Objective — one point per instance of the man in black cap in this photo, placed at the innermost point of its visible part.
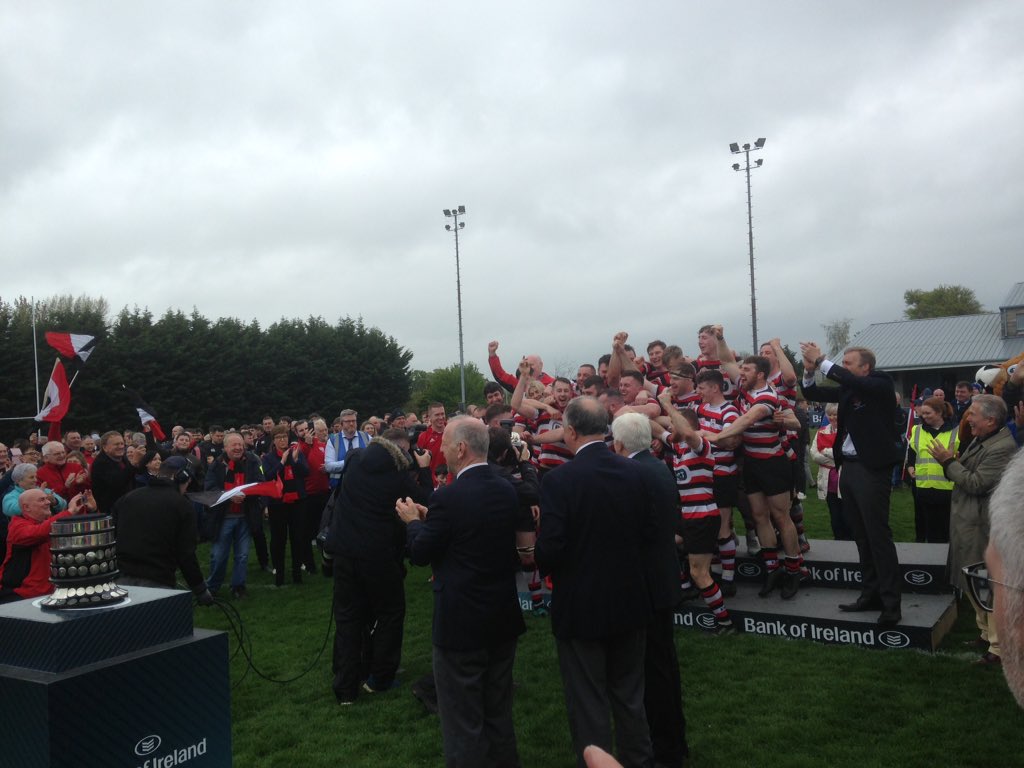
(156, 533)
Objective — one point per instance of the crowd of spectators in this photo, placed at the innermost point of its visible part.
(732, 434)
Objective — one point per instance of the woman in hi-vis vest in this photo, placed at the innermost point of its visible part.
(933, 492)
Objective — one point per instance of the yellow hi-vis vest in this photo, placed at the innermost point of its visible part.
(928, 471)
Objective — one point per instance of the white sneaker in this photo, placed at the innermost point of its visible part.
(753, 545)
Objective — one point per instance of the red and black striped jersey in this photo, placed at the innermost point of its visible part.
(761, 440)
(713, 419)
(551, 454)
(659, 378)
(695, 479)
(787, 399)
(731, 391)
(691, 401)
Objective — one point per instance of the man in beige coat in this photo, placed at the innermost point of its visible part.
(975, 475)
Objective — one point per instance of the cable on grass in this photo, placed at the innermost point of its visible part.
(244, 644)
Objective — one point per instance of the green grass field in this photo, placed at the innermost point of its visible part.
(750, 701)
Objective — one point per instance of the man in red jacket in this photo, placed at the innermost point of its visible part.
(60, 477)
(25, 572)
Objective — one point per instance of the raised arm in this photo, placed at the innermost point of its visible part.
(785, 366)
(680, 427)
(519, 393)
(730, 367)
(619, 361)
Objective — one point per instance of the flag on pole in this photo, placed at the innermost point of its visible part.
(58, 396)
(147, 415)
(72, 344)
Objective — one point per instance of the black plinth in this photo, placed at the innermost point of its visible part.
(55, 641)
(135, 703)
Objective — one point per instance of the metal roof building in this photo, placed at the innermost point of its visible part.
(939, 351)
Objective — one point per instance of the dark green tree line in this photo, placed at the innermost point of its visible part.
(195, 371)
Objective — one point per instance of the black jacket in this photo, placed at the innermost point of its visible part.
(365, 524)
(156, 535)
(662, 563)
(253, 505)
(867, 412)
(469, 540)
(110, 481)
(596, 524)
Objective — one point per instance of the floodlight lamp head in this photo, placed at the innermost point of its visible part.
(447, 212)
(462, 209)
(448, 227)
(759, 143)
(759, 163)
(735, 166)
(746, 147)
(462, 225)
(734, 147)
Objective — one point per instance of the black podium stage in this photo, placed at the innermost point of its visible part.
(124, 685)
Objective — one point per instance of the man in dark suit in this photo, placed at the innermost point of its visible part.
(867, 448)
(663, 700)
(597, 522)
(468, 535)
(367, 542)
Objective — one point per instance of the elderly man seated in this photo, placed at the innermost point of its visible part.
(25, 572)
(26, 477)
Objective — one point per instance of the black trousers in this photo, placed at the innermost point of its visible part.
(934, 506)
(474, 700)
(866, 493)
(315, 504)
(604, 679)
(840, 528)
(663, 699)
(287, 522)
(368, 595)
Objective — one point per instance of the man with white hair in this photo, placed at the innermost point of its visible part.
(468, 537)
(64, 479)
(663, 700)
(975, 474)
(1005, 559)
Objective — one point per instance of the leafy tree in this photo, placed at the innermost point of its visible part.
(944, 301)
(444, 385)
(837, 336)
(196, 372)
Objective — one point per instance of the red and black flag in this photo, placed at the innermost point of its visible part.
(72, 344)
(57, 400)
(147, 415)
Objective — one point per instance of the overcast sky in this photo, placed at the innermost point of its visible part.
(290, 159)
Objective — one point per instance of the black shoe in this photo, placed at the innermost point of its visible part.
(790, 585)
(728, 588)
(725, 629)
(771, 581)
(691, 593)
(239, 593)
(890, 617)
(862, 604)
(426, 696)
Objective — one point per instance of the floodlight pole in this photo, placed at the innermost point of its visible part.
(455, 213)
(746, 150)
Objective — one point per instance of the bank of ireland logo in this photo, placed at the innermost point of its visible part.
(917, 578)
(706, 620)
(749, 570)
(147, 745)
(893, 639)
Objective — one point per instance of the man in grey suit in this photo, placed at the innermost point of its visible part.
(597, 520)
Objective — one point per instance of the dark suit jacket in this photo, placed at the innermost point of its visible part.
(662, 564)
(469, 537)
(596, 523)
(867, 411)
(365, 524)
